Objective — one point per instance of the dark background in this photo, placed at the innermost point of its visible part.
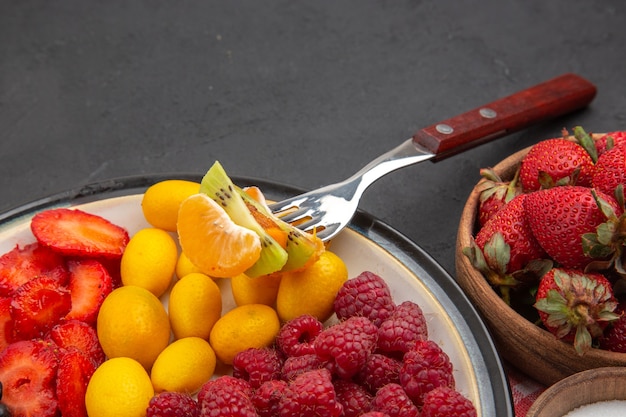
(302, 93)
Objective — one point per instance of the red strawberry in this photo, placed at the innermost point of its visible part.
(610, 170)
(575, 306)
(610, 140)
(505, 247)
(38, 305)
(495, 193)
(75, 232)
(89, 285)
(23, 264)
(74, 334)
(560, 216)
(27, 371)
(614, 338)
(555, 162)
(75, 370)
(6, 323)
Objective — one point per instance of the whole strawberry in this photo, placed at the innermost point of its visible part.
(556, 161)
(575, 306)
(495, 193)
(614, 338)
(560, 216)
(610, 170)
(609, 140)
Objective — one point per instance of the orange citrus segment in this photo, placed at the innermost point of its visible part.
(212, 241)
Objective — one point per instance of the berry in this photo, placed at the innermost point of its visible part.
(447, 402)
(353, 398)
(79, 335)
(494, 193)
(89, 284)
(367, 295)
(347, 345)
(20, 265)
(172, 404)
(378, 371)
(27, 371)
(575, 306)
(310, 394)
(295, 365)
(614, 338)
(6, 323)
(425, 367)
(266, 398)
(257, 366)
(392, 400)
(375, 414)
(75, 370)
(403, 329)
(225, 397)
(38, 305)
(226, 383)
(296, 337)
(78, 233)
(610, 140)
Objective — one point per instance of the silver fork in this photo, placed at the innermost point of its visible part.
(329, 209)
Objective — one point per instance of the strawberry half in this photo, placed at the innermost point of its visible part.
(78, 233)
(575, 306)
(74, 334)
(89, 285)
(6, 323)
(27, 371)
(20, 265)
(75, 371)
(38, 305)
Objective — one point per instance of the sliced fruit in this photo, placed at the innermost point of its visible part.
(27, 371)
(6, 323)
(78, 233)
(90, 283)
(73, 375)
(74, 334)
(38, 305)
(21, 264)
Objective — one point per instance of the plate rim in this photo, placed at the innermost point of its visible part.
(496, 397)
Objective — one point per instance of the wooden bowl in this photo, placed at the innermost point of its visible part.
(583, 388)
(531, 349)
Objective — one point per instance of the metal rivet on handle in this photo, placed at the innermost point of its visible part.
(443, 128)
(487, 113)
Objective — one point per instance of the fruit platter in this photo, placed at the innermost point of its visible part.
(73, 346)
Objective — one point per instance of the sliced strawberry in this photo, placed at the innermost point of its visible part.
(38, 305)
(79, 335)
(6, 323)
(27, 370)
(90, 283)
(23, 264)
(75, 371)
(77, 233)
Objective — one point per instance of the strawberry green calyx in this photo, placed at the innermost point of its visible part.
(576, 306)
(586, 141)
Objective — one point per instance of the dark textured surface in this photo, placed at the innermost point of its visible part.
(302, 93)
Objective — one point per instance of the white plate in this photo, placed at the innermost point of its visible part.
(367, 245)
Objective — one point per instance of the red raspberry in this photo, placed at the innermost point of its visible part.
(266, 398)
(375, 414)
(447, 402)
(398, 333)
(392, 400)
(295, 337)
(425, 367)
(295, 365)
(366, 295)
(172, 404)
(257, 366)
(310, 394)
(226, 396)
(347, 345)
(614, 338)
(378, 371)
(353, 398)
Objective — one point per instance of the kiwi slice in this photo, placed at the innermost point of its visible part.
(218, 186)
(302, 248)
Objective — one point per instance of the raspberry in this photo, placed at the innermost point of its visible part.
(447, 402)
(425, 367)
(399, 332)
(353, 398)
(378, 371)
(266, 398)
(392, 400)
(257, 366)
(295, 365)
(310, 394)
(347, 345)
(295, 337)
(224, 382)
(172, 404)
(367, 295)
(225, 397)
(375, 414)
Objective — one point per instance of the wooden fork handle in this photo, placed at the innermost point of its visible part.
(544, 101)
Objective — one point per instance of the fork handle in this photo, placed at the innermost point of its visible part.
(544, 101)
